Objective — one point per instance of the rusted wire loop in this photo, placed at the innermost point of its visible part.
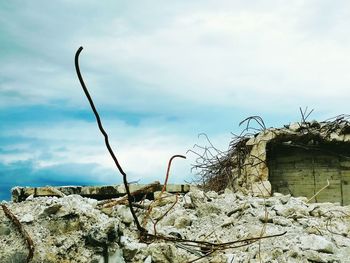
(168, 169)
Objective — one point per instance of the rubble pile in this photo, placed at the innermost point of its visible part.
(77, 229)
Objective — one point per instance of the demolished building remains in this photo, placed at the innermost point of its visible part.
(299, 159)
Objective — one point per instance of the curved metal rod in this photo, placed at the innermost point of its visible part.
(168, 170)
(99, 123)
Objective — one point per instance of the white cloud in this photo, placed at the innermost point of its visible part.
(142, 151)
(261, 58)
(177, 60)
(264, 55)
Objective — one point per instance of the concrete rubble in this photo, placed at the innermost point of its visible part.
(76, 229)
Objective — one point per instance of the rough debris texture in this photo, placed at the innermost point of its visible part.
(244, 166)
(74, 229)
(255, 173)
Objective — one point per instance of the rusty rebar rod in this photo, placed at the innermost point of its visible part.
(99, 123)
(168, 170)
(24, 233)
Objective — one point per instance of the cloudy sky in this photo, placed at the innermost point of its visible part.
(160, 73)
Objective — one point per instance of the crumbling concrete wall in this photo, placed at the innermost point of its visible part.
(323, 153)
(303, 172)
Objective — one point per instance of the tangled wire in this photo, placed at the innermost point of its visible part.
(218, 169)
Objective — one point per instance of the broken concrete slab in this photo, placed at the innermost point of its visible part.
(97, 192)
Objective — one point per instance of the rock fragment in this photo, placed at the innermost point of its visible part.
(317, 243)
